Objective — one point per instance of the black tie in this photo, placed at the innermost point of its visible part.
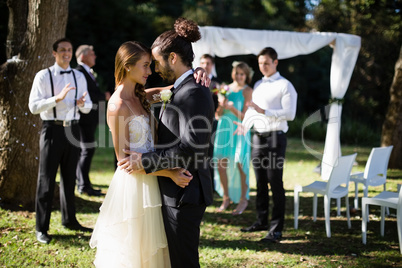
(65, 72)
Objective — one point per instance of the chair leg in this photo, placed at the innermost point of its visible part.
(315, 207)
(382, 220)
(338, 207)
(387, 208)
(365, 190)
(365, 194)
(348, 211)
(296, 206)
(356, 195)
(327, 202)
(399, 226)
(364, 221)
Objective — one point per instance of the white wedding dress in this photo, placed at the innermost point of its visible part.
(129, 231)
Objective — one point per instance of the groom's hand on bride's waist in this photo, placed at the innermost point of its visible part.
(131, 163)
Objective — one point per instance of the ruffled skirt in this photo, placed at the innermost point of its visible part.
(129, 231)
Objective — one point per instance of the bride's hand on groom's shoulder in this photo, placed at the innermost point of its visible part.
(181, 176)
(201, 76)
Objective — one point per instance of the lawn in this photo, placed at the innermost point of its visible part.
(222, 244)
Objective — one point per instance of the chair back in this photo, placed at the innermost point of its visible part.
(377, 164)
(340, 175)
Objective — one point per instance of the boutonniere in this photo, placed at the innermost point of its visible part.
(336, 100)
(165, 96)
(95, 74)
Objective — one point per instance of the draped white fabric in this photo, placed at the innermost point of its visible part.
(224, 42)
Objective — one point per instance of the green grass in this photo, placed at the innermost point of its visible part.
(222, 244)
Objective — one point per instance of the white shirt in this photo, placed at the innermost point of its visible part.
(182, 77)
(277, 96)
(89, 70)
(41, 99)
(86, 67)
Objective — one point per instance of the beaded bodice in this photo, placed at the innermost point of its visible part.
(140, 134)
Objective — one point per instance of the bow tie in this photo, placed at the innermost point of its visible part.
(65, 72)
(267, 79)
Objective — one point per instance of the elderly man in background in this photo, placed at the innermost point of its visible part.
(88, 123)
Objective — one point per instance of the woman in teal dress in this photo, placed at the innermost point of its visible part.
(232, 152)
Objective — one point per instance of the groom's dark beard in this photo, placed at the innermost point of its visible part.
(167, 74)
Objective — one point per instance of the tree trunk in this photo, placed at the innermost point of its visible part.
(33, 27)
(392, 127)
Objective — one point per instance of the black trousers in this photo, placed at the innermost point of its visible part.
(211, 152)
(182, 226)
(268, 156)
(87, 134)
(56, 150)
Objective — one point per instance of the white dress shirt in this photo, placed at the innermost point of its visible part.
(277, 96)
(182, 77)
(41, 99)
(89, 70)
(86, 67)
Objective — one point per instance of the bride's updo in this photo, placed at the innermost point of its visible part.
(179, 41)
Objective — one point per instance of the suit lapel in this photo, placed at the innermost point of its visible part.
(170, 119)
(176, 89)
(88, 77)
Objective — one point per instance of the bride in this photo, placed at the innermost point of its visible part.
(129, 231)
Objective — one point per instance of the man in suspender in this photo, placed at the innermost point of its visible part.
(57, 94)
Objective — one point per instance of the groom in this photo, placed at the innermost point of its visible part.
(184, 133)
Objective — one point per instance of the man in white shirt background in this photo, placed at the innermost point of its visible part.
(274, 102)
(57, 94)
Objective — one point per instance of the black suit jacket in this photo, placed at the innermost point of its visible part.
(96, 96)
(215, 82)
(184, 133)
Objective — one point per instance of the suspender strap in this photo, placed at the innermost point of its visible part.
(51, 84)
(76, 92)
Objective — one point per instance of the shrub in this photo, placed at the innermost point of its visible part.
(353, 132)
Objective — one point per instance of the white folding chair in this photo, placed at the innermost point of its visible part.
(336, 187)
(375, 172)
(384, 199)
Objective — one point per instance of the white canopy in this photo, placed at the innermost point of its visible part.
(224, 42)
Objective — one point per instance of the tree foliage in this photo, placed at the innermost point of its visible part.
(106, 24)
(379, 24)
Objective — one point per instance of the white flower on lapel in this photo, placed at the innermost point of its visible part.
(166, 94)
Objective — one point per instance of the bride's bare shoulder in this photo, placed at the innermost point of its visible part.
(117, 106)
